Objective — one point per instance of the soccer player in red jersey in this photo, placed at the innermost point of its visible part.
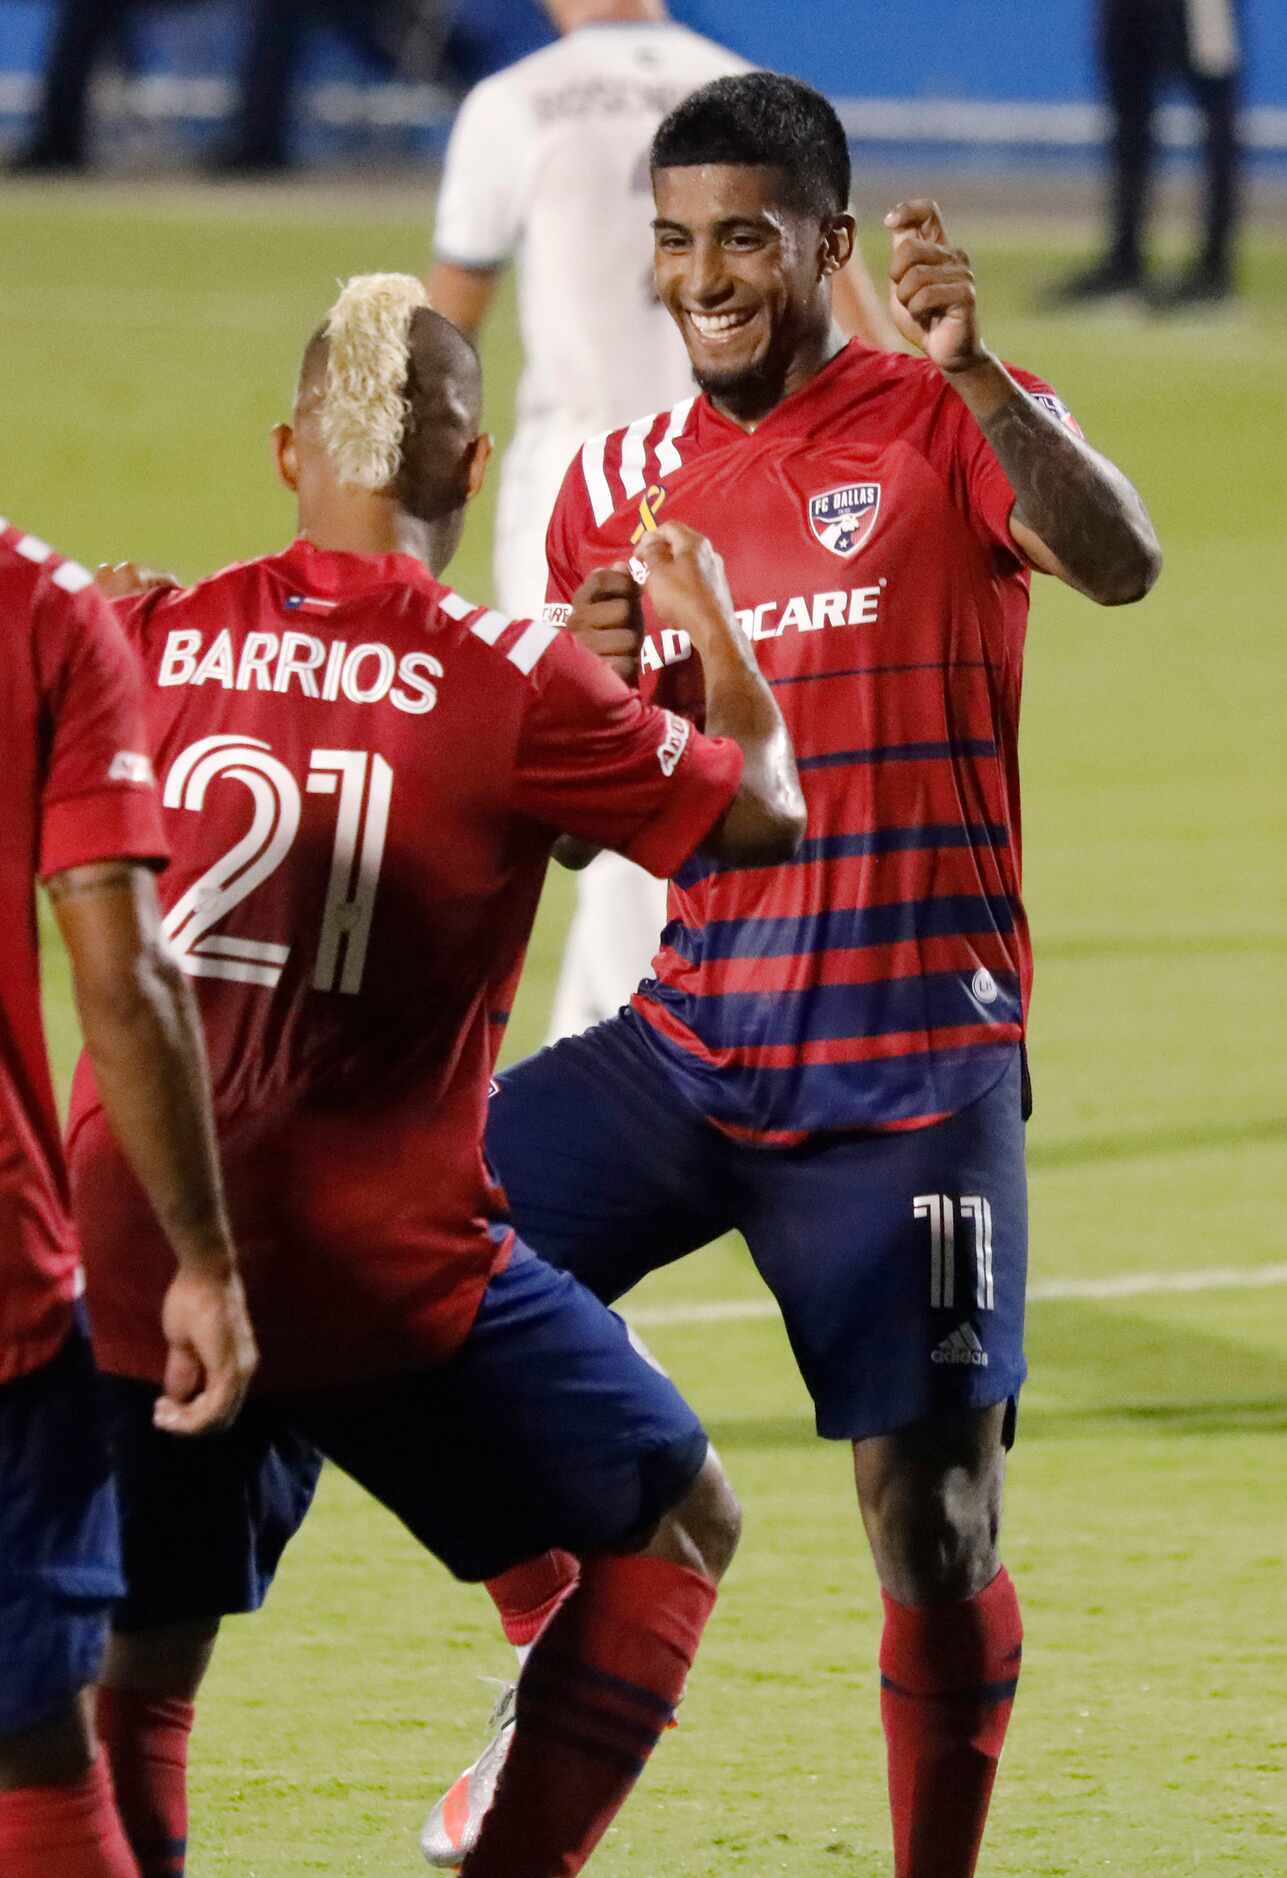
(363, 775)
(829, 1055)
(79, 808)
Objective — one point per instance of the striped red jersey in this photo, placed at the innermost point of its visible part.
(362, 775)
(880, 979)
(77, 789)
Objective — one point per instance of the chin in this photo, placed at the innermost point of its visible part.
(741, 380)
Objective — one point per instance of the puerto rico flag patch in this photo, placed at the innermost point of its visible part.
(842, 519)
(1057, 408)
(309, 603)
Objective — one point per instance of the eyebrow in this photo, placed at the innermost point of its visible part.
(722, 226)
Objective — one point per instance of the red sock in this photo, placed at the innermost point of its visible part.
(64, 1832)
(528, 1595)
(947, 1678)
(146, 1738)
(594, 1696)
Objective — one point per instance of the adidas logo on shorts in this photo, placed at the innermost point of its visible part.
(962, 1346)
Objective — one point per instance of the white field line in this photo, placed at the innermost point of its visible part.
(1047, 1291)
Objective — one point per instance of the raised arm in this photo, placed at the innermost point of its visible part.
(144, 1039)
(1075, 514)
(462, 295)
(689, 591)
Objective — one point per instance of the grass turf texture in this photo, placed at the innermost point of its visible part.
(149, 343)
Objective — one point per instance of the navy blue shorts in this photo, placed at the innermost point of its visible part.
(899, 1260)
(545, 1429)
(60, 1566)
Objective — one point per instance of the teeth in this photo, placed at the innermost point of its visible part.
(710, 325)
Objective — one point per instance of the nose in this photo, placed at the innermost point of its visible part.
(707, 281)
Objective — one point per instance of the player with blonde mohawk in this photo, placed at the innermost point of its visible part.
(363, 775)
(364, 408)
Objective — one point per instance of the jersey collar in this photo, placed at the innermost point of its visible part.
(331, 572)
(794, 412)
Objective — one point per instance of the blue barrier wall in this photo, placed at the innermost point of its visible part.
(1002, 51)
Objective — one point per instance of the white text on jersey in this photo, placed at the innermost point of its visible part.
(317, 668)
(805, 613)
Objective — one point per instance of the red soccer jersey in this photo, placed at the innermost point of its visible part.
(77, 789)
(362, 775)
(878, 980)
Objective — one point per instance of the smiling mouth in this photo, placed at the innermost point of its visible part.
(715, 327)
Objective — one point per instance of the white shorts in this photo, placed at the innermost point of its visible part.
(620, 910)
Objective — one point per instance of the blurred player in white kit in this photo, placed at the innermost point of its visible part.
(548, 165)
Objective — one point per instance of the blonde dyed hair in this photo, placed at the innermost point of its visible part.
(364, 408)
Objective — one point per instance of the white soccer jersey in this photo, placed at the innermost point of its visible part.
(548, 164)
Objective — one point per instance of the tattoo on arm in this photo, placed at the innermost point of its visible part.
(1075, 501)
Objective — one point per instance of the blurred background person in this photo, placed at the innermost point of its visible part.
(87, 32)
(548, 163)
(1143, 44)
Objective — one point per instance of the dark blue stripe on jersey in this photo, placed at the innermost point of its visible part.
(935, 1001)
(865, 671)
(841, 928)
(874, 841)
(899, 753)
(817, 1098)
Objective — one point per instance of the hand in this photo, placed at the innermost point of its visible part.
(126, 579)
(607, 619)
(932, 297)
(212, 1354)
(686, 578)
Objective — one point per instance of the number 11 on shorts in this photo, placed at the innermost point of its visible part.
(941, 1210)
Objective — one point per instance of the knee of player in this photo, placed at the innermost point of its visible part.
(935, 1539)
(703, 1531)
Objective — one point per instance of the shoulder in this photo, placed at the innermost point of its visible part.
(620, 466)
(508, 651)
(211, 600)
(54, 600)
(514, 84)
(31, 569)
(707, 57)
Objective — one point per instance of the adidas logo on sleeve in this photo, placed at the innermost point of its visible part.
(962, 1346)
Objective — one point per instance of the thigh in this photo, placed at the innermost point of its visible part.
(545, 1430)
(607, 1172)
(900, 1264)
(203, 1523)
(59, 1545)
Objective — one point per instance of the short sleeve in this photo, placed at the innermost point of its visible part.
(596, 762)
(99, 799)
(479, 216)
(988, 494)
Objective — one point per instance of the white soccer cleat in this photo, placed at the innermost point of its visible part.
(451, 1830)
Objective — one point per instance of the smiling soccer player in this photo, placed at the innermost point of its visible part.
(830, 1056)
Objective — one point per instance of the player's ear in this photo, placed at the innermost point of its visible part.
(286, 457)
(838, 238)
(479, 456)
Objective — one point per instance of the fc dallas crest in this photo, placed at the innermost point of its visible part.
(842, 519)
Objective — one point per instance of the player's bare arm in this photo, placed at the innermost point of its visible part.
(462, 295)
(144, 1039)
(689, 591)
(1075, 515)
(607, 619)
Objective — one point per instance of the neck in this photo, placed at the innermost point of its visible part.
(751, 401)
(377, 525)
(574, 13)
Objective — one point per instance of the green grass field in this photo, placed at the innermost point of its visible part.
(149, 341)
